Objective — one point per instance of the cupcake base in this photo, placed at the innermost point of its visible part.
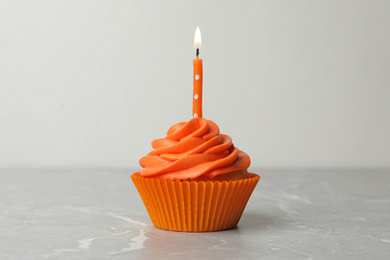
(195, 206)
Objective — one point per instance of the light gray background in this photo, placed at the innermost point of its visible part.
(295, 83)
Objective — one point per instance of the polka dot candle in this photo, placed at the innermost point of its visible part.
(198, 78)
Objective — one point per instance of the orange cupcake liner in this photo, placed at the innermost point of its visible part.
(192, 206)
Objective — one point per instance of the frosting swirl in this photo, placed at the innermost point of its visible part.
(193, 149)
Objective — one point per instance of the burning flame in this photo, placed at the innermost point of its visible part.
(198, 39)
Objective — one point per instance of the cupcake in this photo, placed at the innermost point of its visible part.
(194, 179)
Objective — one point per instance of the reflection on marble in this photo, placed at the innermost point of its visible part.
(292, 214)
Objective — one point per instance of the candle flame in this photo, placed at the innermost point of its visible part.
(198, 38)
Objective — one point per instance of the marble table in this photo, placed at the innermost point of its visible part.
(98, 214)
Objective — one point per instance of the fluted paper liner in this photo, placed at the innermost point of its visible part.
(195, 206)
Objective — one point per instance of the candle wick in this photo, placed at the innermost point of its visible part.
(197, 53)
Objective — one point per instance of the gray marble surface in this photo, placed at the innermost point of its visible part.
(98, 214)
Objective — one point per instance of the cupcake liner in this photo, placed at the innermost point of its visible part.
(195, 206)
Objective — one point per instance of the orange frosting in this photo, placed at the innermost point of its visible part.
(193, 149)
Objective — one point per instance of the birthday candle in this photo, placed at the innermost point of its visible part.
(198, 77)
